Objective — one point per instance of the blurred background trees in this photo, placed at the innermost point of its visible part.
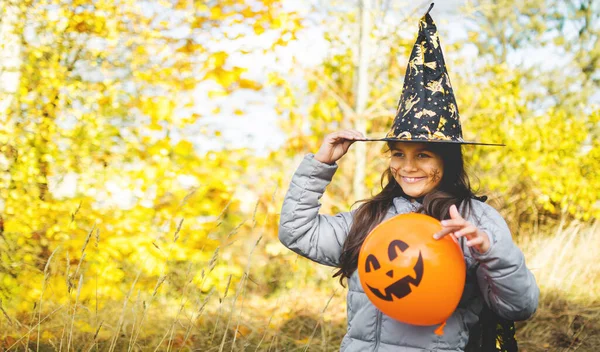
(114, 150)
(526, 75)
(539, 62)
(99, 131)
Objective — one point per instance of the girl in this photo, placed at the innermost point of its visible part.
(426, 174)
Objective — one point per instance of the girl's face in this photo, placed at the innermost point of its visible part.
(416, 169)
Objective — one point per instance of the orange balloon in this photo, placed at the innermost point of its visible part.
(407, 274)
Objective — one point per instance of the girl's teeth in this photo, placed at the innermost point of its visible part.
(412, 179)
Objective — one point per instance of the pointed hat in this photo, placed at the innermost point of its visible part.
(427, 110)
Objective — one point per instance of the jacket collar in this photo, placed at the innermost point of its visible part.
(403, 205)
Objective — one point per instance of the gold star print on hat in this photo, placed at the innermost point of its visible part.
(427, 110)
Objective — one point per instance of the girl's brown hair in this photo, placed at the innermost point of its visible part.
(454, 188)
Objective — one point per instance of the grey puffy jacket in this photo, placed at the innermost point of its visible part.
(499, 277)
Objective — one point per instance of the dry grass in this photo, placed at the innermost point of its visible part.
(567, 269)
(248, 316)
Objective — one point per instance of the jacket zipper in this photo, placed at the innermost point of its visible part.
(377, 329)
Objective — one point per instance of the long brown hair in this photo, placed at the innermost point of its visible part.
(454, 188)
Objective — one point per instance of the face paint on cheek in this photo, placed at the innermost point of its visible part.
(435, 175)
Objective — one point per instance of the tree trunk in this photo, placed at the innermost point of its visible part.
(10, 56)
(362, 95)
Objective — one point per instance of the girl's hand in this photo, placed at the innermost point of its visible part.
(458, 227)
(336, 144)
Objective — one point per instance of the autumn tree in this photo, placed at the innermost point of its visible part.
(546, 111)
(98, 141)
(328, 101)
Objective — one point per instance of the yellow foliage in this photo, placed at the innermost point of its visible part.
(248, 84)
(96, 160)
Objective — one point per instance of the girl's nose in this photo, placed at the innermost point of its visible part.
(409, 165)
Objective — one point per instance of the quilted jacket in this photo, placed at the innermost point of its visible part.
(498, 277)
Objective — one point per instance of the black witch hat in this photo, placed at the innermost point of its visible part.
(427, 110)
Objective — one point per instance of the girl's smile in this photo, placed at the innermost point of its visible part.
(416, 168)
(413, 179)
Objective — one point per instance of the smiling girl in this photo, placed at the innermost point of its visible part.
(425, 174)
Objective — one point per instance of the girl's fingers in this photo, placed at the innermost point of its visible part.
(359, 135)
(354, 134)
(455, 223)
(443, 233)
(477, 241)
(340, 138)
(466, 231)
(457, 230)
(347, 134)
(458, 227)
(454, 214)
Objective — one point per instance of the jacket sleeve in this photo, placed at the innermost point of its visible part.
(507, 285)
(301, 228)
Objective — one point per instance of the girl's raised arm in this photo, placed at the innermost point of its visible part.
(301, 228)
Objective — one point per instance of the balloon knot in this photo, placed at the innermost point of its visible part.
(440, 329)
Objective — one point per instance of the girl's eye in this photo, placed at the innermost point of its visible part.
(398, 154)
(423, 155)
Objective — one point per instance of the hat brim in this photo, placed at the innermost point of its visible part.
(438, 141)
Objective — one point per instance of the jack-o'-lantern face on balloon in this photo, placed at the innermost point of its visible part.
(400, 287)
(407, 274)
